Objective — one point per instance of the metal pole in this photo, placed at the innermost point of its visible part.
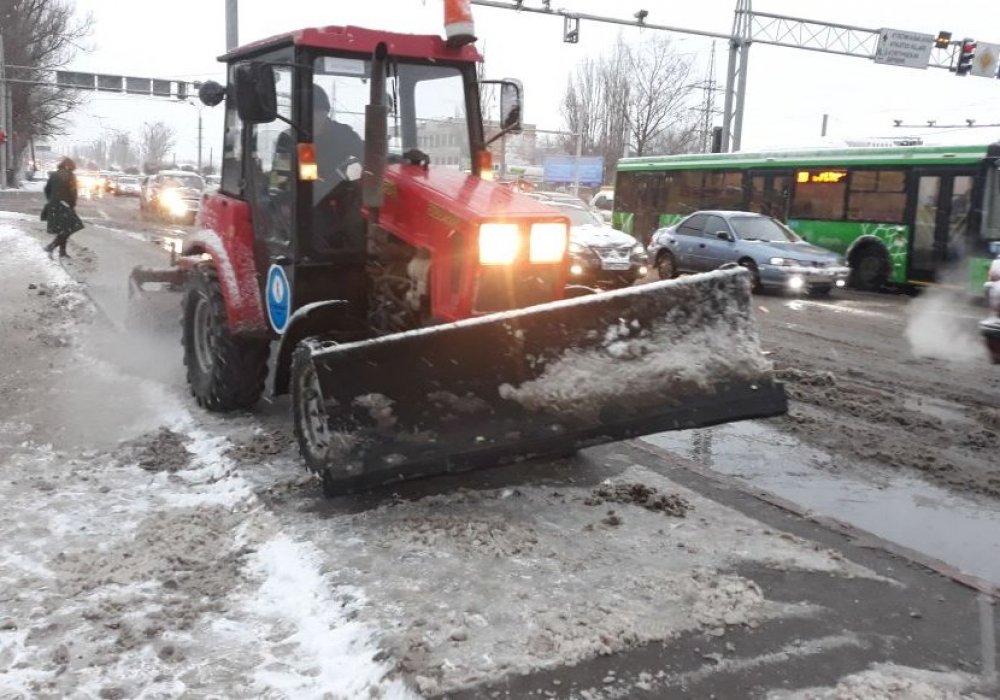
(232, 28)
(727, 108)
(3, 118)
(576, 164)
(199, 141)
(741, 96)
(826, 118)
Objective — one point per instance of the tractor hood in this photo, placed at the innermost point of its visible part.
(454, 198)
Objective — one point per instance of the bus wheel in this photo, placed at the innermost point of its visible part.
(869, 268)
(666, 266)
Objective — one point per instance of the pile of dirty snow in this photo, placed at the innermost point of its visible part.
(891, 682)
(685, 352)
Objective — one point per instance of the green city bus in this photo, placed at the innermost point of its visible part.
(903, 215)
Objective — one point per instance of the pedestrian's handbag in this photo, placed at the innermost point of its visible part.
(44, 216)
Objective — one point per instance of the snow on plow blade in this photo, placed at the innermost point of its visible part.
(545, 380)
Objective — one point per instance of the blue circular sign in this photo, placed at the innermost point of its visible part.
(279, 298)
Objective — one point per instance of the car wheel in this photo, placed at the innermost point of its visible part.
(754, 274)
(666, 265)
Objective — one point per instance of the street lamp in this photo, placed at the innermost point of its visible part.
(199, 107)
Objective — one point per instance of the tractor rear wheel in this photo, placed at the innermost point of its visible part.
(225, 373)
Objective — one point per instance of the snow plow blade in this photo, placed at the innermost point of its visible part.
(544, 380)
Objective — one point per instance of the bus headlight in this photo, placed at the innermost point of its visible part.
(498, 244)
(548, 243)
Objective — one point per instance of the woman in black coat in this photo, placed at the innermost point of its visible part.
(60, 207)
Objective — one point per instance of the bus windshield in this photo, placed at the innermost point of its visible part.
(755, 228)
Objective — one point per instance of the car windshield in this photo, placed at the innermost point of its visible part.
(192, 181)
(758, 228)
(578, 216)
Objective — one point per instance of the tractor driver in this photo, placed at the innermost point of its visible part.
(337, 221)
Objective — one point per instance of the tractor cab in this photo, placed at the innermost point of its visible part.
(321, 126)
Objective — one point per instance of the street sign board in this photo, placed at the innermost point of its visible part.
(898, 47)
(986, 62)
(562, 169)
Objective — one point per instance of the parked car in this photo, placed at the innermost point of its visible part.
(990, 328)
(172, 195)
(600, 256)
(775, 255)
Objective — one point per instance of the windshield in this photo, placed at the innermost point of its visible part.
(577, 215)
(754, 228)
(426, 105)
(190, 181)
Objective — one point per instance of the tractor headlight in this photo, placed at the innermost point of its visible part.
(499, 244)
(548, 243)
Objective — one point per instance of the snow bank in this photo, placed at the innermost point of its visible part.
(314, 645)
(891, 682)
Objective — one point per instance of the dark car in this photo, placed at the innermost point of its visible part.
(600, 256)
(990, 328)
(775, 255)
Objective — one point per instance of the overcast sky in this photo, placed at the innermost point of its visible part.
(788, 90)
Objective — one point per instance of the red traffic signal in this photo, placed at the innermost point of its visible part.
(965, 55)
(3, 136)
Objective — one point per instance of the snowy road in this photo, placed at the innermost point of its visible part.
(148, 549)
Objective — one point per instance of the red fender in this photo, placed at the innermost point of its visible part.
(225, 233)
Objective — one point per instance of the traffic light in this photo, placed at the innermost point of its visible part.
(943, 40)
(571, 29)
(965, 56)
(3, 136)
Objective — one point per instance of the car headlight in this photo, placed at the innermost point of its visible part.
(639, 249)
(498, 244)
(782, 261)
(547, 242)
(576, 248)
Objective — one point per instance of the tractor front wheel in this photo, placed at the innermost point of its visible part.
(225, 373)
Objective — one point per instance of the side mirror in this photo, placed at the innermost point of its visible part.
(511, 99)
(211, 93)
(725, 236)
(256, 93)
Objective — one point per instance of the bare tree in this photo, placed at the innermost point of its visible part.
(660, 90)
(630, 101)
(39, 36)
(121, 150)
(157, 140)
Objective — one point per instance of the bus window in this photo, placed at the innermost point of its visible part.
(681, 192)
(877, 195)
(625, 192)
(819, 195)
(722, 190)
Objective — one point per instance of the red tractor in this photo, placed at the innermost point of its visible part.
(414, 303)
